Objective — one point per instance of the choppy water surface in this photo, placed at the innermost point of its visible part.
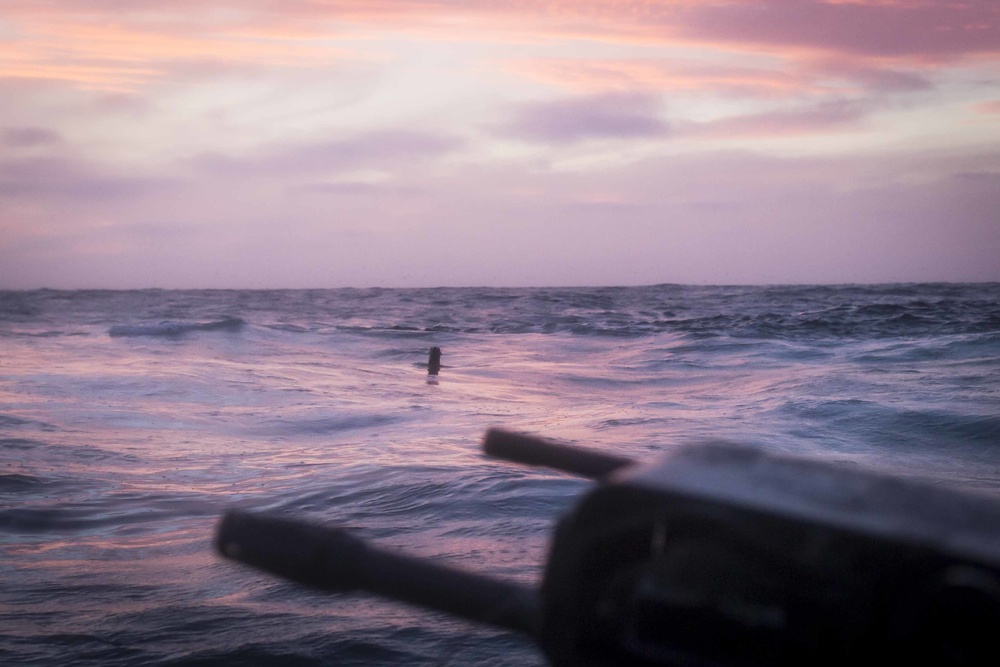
(130, 420)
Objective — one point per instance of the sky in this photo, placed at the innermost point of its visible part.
(399, 143)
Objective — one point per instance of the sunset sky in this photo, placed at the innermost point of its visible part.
(327, 143)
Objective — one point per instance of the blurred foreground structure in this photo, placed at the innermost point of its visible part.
(716, 555)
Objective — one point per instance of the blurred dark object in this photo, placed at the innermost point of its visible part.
(434, 361)
(717, 555)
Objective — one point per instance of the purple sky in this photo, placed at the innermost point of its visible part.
(326, 143)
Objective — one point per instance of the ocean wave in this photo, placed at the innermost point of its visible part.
(8, 421)
(172, 328)
(19, 482)
(44, 334)
(119, 512)
(774, 313)
(895, 426)
(328, 424)
(19, 443)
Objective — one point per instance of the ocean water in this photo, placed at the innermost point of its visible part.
(131, 420)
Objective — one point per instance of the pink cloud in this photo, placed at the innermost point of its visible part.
(359, 189)
(867, 75)
(819, 118)
(103, 46)
(665, 74)
(70, 179)
(385, 148)
(638, 116)
(28, 137)
(810, 77)
(609, 116)
(925, 30)
(265, 31)
(990, 108)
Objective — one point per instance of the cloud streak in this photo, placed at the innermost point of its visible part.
(56, 178)
(821, 118)
(28, 137)
(73, 40)
(610, 116)
(929, 31)
(379, 150)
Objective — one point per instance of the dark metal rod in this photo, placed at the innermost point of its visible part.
(331, 559)
(531, 450)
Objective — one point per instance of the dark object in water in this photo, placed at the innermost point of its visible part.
(717, 555)
(434, 361)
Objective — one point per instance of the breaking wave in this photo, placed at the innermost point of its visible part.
(175, 328)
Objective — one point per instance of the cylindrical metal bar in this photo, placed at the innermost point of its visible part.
(331, 559)
(530, 450)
